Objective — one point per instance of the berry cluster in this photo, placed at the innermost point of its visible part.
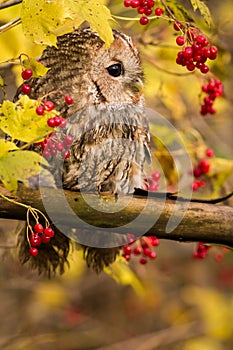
(213, 89)
(195, 50)
(201, 251)
(144, 8)
(202, 168)
(152, 182)
(38, 236)
(56, 143)
(142, 248)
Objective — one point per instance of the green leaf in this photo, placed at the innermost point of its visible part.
(40, 18)
(20, 121)
(179, 11)
(204, 10)
(19, 166)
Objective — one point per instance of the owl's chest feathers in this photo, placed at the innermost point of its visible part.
(110, 148)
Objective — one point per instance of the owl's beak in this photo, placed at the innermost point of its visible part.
(138, 87)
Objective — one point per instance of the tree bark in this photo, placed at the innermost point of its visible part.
(189, 222)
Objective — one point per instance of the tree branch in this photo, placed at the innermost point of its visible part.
(201, 222)
(10, 3)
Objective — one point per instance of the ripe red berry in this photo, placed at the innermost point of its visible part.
(46, 154)
(180, 40)
(127, 250)
(26, 74)
(33, 251)
(65, 154)
(26, 89)
(158, 11)
(57, 120)
(195, 186)
(148, 11)
(40, 110)
(137, 251)
(34, 240)
(48, 231)
(152, 255)
(177, 26)
(51, 122)
(144, 20)
(69, 100)
(209, 152)
(143, 261)
(62, 123)
(205, 166)
(127, 3)
(45, 239)
(48, 105)
(59, 146)
(68, 140)
(38, 228)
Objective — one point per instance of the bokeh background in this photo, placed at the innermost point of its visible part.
(172, 303)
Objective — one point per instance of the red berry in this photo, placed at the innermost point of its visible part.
(59, 146)
(180, 40)
(148, 11)
(137, 251)
(46, 154)
(48, 231)
(158, 11)
(62, 123)
(127, 257)
(127, 250)
(45, 239)
(26, 89)
(26, 74)
(141, 10)
(68, 140)
(38, 228)
(204, 69)
(51, 122)
(152, 255)
(48, 105)
(69, 100)
(209, 152)
(40, 110)
(177, 26)
(143, 261)
(144, 20)
(127, 3)
(195, 186)
(135, 3)
(197, 171)
(205, 166)
(65, 154)
(33, 251)
(156, 175)
(146, 251)
(34, 240)
(57, 120)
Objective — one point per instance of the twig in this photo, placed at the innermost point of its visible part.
(10, 25)
(10, 3)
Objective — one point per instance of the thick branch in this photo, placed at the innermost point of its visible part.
(201, 222)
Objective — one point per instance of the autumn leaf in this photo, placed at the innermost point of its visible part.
(20, 120)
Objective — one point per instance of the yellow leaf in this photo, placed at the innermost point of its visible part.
(37, 68)
(121, 272)
(40, 18)
(20, 121)
(6, 146)
(19, 166)
(94, 12)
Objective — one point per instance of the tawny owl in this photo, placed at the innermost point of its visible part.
(107, 118)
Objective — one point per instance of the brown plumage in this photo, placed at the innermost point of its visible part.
(107, 119)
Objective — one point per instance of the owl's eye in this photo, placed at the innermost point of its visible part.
(115, 70)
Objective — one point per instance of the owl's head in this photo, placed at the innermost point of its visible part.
(82, 66)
